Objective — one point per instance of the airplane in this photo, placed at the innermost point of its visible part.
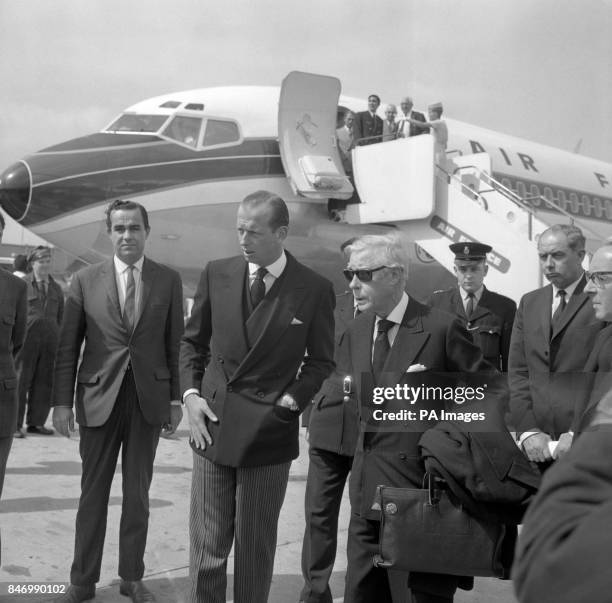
(190, 157)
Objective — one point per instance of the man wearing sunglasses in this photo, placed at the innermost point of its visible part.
(598, 367)
(394, 338)
(553, 334)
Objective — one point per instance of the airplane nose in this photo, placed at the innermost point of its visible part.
(16, 190)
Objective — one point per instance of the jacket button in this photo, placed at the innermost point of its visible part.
(402, 456)
(260, 394)
(220, 359)
(230, 389)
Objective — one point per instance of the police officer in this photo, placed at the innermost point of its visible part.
(487, 316)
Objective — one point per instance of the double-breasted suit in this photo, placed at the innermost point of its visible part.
(243, 360)
(37, 357)
(545, 363)
(367, 126)
(13, 312)
(333, 429)
(490, 325)
(122, 388)
(438, 343)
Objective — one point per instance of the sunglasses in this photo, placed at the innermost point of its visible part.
(599, 279)
(364, 275)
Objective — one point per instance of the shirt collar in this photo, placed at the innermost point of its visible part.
(275, 268)
(397, 314)
(569, 290)
(121, 266)
(477, 293)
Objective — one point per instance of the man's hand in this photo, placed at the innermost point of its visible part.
(197, 411)
(536, 447)
(176, 415)
(63, 420)
(565, 441)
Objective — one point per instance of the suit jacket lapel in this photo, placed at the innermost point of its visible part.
(577, 300)
(110, 284)
(482, 308)
(545, 302)
(146, 283)
(409, 341)
(279, 307)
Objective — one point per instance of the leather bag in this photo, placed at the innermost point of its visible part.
(429, 530)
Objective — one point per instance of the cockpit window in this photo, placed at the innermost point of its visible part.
(130, 122)
(184, 129)
(220, 132)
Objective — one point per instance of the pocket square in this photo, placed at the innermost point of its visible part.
(296, 321)
(416, 368)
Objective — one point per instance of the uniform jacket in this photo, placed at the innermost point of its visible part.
(597, 379)
(254, 360)
(490, 324)
(334, 422)
(427, 337)
(93, 315)
(414, 129)
(365, 126)
(563, 554)
(13, 313)
(49, 309)
(543, 367)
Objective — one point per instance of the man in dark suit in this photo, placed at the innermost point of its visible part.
(257, 347)
(396, 338)
(553, 334)
(37, 358)
(405, 127)
(564, 548)
(488, 316)
(128, 311)
(368, 127)
(333, 429)
(13, 309)
(598, 368)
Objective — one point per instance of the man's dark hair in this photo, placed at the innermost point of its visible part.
(21, 263)
(118, 204)
(374, 96)
(279, 214)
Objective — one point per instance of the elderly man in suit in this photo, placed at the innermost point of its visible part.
(333, 429)
(37, 358)
(488, 316)
(128, 313)
(256, 349)
(13, 306)
(368, 127)
(395, 337)
(553, 334)
(389, 123)
(405, 127)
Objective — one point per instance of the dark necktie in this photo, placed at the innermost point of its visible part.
(42, 290)
(469, 307)
(559, 311)
(258, 287)
(381, 347)
(129, 307)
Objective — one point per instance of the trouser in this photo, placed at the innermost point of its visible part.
(36, 363)
(125, 429)
(5, 449)
(234, 505)
(327, 474)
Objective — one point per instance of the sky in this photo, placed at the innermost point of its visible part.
(537, 69)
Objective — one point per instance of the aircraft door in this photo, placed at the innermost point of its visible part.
(307, 136)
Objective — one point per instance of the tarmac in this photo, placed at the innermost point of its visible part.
(38, 509)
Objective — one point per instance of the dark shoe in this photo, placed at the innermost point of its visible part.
(76, 594)
(136, 590)
(40, 430)
(19, 434)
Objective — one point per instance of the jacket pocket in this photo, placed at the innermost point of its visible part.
(9, 383)
(88, 378)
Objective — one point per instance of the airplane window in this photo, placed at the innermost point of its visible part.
(184, 129)
(220, 132)
(195, 107)
(131, 122)
(170, 105)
